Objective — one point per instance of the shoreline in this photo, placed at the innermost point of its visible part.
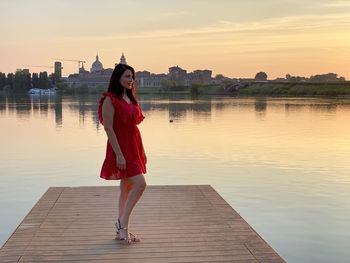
(230, 89)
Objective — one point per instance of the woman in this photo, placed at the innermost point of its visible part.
(119, 113)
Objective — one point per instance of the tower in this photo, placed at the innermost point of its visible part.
(122, 59)
(58, 69)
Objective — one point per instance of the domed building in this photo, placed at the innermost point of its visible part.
(97, 76)
(96, 66)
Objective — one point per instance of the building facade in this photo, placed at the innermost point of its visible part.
(178, 76)
(58, 69)
(97, 76)
(200, 77)
(146, 79)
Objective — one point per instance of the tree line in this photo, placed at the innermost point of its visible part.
(23, 80)
(329, 77)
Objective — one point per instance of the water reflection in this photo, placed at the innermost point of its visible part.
(281, 162)
(330, 107)
(58, 112)
(260, 108)
(178, 108)
(260, 105)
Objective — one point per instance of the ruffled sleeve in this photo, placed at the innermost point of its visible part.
(102, 99)
(138, 115)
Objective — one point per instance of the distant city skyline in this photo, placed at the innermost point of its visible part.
(234, 38)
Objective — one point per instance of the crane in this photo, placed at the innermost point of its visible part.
(73, 60)
(39, 66)
(36, 66)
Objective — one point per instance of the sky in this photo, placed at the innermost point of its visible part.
(236, 38)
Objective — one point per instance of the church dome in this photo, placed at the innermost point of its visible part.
(97, 65)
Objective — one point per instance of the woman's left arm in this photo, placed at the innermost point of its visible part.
(144, 154)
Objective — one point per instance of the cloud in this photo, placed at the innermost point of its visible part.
(287, 24)
(167, 15)
(334, 3)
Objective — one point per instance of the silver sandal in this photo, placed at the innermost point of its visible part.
(119, 227)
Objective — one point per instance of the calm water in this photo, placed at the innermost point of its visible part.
(283, 164)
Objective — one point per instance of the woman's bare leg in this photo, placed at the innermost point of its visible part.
(124, 191)
(138, 185)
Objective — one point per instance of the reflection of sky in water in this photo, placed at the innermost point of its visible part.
(281, 163)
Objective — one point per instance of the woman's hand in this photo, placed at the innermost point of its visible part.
(145, 157)
(121, 163)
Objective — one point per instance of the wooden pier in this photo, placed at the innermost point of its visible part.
(186, 223)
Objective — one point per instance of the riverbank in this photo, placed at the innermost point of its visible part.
(267, 88)
(272, 89)
(281, 89)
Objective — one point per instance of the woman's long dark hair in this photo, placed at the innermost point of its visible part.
(115, 86)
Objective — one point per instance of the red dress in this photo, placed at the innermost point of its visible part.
(126, 117)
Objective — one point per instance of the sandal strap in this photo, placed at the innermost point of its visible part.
(128, 238)
(125, 238)
(134, 238)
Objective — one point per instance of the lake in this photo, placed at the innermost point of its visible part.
(282, 163)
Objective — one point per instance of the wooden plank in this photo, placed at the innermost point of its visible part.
(178, 223)
(29, 227)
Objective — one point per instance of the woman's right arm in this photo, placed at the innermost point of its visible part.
(108, 115)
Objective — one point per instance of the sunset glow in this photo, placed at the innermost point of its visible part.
(234, 38)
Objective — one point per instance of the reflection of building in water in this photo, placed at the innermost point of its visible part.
(58, 111)
(38, 107)
(97, 76)
(324, 107)
(179, 109)
(33, 106)
(292, 107)
(196, 110)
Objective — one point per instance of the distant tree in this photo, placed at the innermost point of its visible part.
(28, 80)
(21, 80)
(166, 83)
(9, 80)
(2, 80)
(261, 76)
(295, 78)
(279, 79)
(43, 80)
(220, 77)
(35, 80)
(326, 77)
(54, 79)
(195, 89)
